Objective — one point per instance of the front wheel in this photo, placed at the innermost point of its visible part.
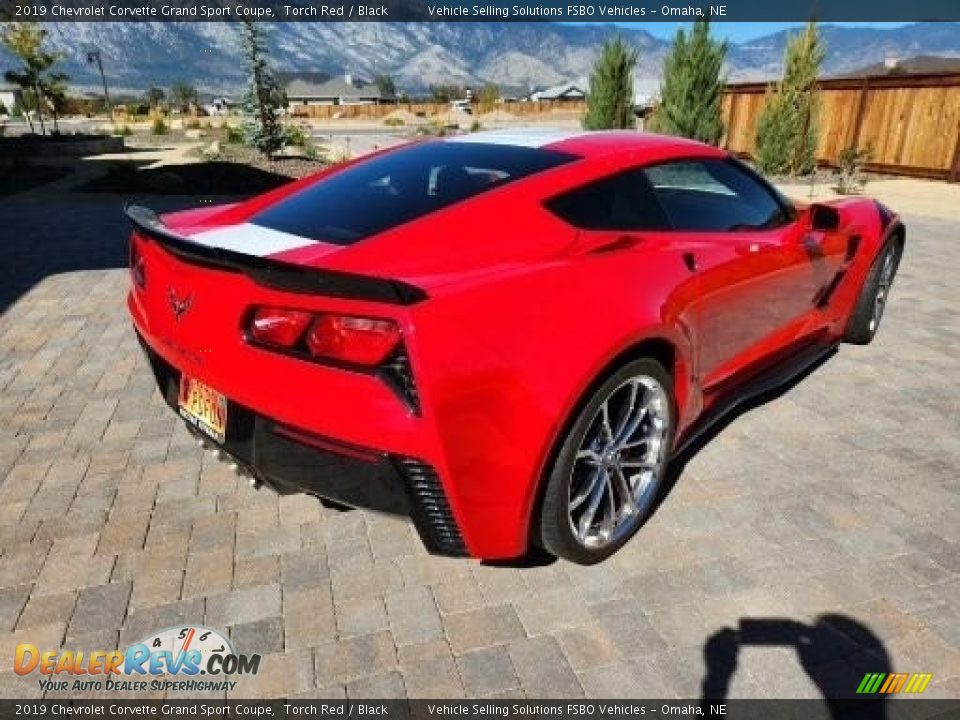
(868, 312)
(610, 467)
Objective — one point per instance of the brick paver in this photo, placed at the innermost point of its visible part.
(834, 507)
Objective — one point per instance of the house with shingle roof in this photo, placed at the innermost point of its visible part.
(560, 93)
(10, 97)
(317, 88)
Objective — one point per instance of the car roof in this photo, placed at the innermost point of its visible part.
(587, 143)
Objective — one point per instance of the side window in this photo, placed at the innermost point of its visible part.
(713, 195)
(619, 202)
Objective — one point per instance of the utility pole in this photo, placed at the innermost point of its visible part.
(93, 56)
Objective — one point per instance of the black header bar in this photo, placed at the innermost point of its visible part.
(874, 708)
(599, 11)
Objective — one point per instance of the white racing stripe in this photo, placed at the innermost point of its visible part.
(251, 239)
(527, 137)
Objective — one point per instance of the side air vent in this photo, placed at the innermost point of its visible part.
(430, 509)
(397, 374)
(885, 215)
(853, 244)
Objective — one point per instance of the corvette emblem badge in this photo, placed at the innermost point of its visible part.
(179, 305)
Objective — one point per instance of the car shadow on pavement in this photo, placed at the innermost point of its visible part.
(836, 652)
(60, 230)
(536, 557)
(45, 236)
(679, 462)
(226, 178)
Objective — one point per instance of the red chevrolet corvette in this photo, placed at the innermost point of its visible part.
(507, 336)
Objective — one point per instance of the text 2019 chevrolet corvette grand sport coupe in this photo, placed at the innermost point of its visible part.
(506, 335)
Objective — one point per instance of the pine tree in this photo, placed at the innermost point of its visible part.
(261, 126)
(610, 100)
(787, 130)
(387, 87)
(692, 85)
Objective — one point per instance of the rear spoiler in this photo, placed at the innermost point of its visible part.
(275, 274)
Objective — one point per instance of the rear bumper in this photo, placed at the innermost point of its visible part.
(292, 459)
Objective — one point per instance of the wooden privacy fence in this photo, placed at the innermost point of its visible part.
(432, 109)
(911, 122)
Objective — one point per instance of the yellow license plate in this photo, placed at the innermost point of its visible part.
(203, 407)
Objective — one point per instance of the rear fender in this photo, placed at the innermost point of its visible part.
(505, 374)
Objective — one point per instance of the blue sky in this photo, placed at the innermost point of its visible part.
(735, 31)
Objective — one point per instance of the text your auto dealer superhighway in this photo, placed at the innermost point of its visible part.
(137, 12)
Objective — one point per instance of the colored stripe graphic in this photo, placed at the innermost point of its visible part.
(894, 683)
(918, 682)
(870, 682)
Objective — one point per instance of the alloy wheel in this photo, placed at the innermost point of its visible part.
(887, 271)
(619, 464)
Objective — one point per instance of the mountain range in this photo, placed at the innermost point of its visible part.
(419, 54)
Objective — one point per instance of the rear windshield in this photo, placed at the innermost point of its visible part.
(399, 186)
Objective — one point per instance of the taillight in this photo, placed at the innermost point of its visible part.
(369, 345)
(278, 327)
(138, 269)
(362, 341)
(323, 336)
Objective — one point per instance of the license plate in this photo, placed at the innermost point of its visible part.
(203, 407)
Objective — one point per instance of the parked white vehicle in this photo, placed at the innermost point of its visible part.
(219, 106)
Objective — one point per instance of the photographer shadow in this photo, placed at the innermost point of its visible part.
(831, 652)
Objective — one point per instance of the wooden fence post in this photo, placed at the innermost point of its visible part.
(954, 175)
(732, 120)
(853, 139)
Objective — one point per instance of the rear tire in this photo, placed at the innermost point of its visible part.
(610, 466)
(868, 312)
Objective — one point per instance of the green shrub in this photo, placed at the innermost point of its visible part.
(850, 177)
(394, 122)
(159, 126)
(310, 150)
(191, 123)
(475, 126)
(294, 135)
(233, 134)
(122, 130)
(211, 151)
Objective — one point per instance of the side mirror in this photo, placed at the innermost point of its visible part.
(824, 217)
